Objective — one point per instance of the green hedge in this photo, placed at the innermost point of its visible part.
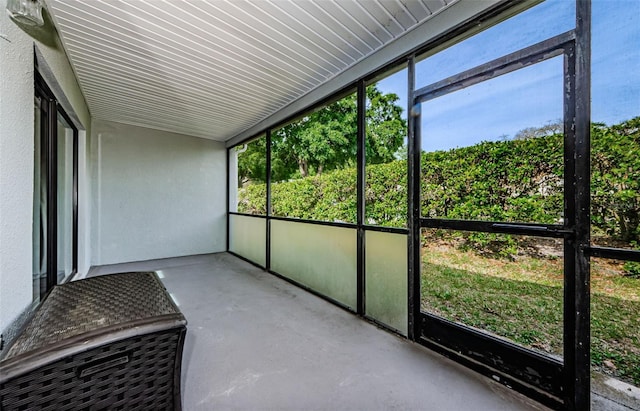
(511, 181)
(332, 196)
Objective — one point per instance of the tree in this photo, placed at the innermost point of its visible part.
(326, 139)
(551, 128)
(386, 129)
(252, 161)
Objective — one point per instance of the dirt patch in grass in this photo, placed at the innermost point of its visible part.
(607, 276)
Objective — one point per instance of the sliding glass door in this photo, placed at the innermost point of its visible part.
(55, 193)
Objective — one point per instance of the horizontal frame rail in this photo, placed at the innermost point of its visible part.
(537, 53)
(613, 253)
(532, 229)
(377, 228)
(247, 215)
(542, 372)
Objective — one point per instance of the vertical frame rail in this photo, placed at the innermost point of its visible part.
(570, 243)
(74, 194)
(267, 257)
(413, 200)
(360, 195)
(227, 161)
(577, 355)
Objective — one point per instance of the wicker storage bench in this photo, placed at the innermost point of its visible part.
(110, 342)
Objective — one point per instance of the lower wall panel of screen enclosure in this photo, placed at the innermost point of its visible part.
(324, 259)
(386, 279)
(248, 237)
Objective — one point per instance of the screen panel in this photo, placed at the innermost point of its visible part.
(313, 164)
(248, 177)
(615, 326)
(539, 23)
(386, 150)
(503, 285)
(615, 128)
(494, 151)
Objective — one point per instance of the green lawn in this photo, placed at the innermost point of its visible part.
(522, 301)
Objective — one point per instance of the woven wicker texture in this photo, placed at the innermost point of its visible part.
(82, 306)
(132, 374)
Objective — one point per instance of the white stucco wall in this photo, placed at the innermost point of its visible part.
(17, 151)
(157, 194)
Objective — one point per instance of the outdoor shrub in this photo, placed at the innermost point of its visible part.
(518, 180)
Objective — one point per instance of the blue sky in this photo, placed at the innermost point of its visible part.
(531, 96)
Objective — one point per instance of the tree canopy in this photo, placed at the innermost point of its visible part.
(326, 139)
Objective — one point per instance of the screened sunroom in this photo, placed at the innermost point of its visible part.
(385, 204)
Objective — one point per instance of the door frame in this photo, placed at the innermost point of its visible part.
(557, 383)
(49, 111)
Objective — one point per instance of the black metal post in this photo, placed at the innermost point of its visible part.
(570, 246)
(413, 204)
(360, 192)
(577, 215)
(228, 194)
(581, 362)
(268, 211)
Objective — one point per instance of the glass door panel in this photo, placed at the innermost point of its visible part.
(65, 206)
(40, 211)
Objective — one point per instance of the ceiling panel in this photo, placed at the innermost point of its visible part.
(213, 68)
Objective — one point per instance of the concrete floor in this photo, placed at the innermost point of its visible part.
(256, 342)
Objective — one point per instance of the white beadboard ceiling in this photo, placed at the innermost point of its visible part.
(213, 68)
